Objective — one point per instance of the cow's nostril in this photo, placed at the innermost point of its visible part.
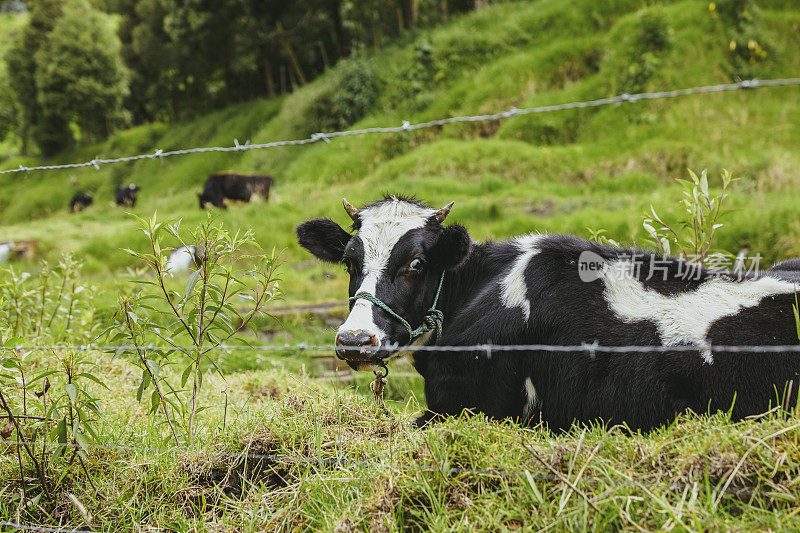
(356, 344)
(356, 338)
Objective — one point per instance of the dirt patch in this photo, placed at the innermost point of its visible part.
(717, 466)
(514, 525)
(547, 208)
(542, 208)
(346, 525)
(560, 457)
(457, 499)
(382, 507)
(230, 472)
(262, 392)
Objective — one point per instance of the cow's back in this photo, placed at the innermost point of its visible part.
(536, 294)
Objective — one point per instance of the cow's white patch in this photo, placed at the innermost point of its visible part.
(381, 227)
(684, 318)
(360, 317)
(514, 289)
(532, 401)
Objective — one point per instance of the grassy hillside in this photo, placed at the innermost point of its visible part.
(552, 172)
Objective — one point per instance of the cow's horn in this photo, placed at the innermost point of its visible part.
(442, 213)
(352, 211)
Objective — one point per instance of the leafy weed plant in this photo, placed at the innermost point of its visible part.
(190, 326)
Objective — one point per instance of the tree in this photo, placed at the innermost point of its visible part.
(22, 65)
(8, 107)
(80, 77)
(150, 55)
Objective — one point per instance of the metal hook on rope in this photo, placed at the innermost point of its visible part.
(379, 384)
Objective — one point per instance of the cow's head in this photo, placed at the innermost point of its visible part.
(398, 254)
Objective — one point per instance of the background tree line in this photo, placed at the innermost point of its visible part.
(81, 68)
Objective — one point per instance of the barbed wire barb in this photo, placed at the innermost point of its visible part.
(407, 126)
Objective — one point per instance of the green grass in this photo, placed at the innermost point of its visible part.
(552, 172)
(466, 473)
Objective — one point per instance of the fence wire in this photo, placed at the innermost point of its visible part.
(408, 126)
(44, 529)
(488, 348)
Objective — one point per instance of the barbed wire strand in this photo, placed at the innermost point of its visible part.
(586, 347)
(407, 126)
(44, 529)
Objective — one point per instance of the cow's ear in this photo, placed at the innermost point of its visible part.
(452, 248)
(324, 238)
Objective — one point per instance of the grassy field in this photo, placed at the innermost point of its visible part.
(297, 454)
(345, 465)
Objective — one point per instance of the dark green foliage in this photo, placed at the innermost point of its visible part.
(67, 75)
(8, 108)
(652, 37)
(422, 72)
(348, 99)
(52, 132)
(356, 91)
(80, 78)
(21, 64)
(190, 56)
(154, 85)
(751, 50)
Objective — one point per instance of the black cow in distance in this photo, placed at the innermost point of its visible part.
(223, 188)
(80, 201)
(125, 196)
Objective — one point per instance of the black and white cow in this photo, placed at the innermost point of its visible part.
(125, 196)
(225, 187)
(556, 290)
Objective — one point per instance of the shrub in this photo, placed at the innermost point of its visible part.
(750, 48)
(351, 96)
(423, 70)
(652, 37)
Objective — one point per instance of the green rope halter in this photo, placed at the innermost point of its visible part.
(432, 321)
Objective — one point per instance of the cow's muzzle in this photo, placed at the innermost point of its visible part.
(357, 347)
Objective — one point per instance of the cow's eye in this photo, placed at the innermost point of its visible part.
(416, 265)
